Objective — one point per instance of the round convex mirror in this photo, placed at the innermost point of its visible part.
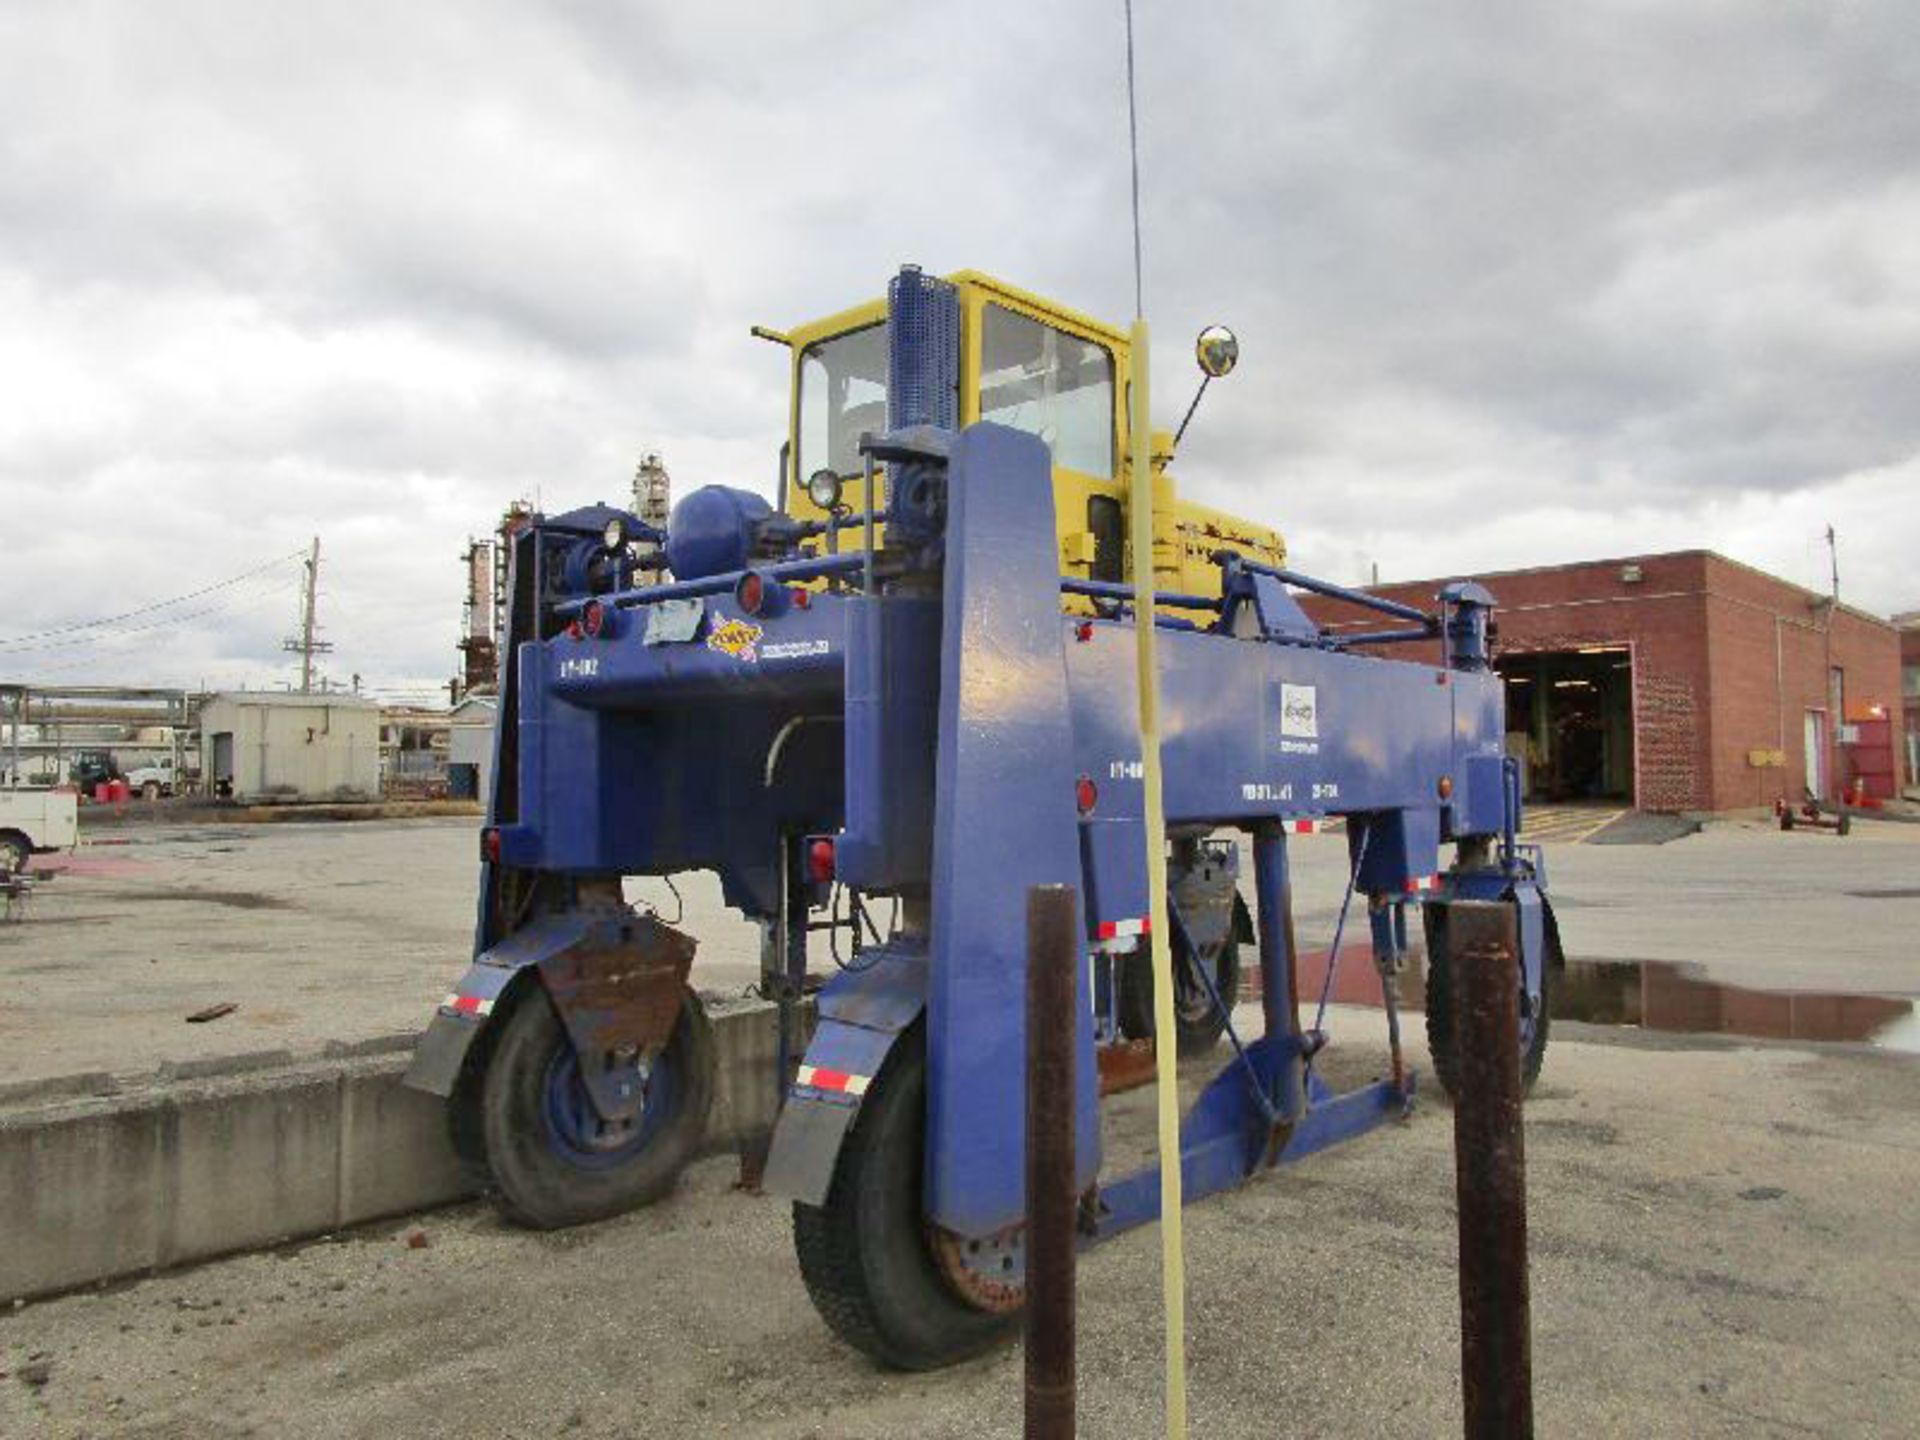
(1217, 350)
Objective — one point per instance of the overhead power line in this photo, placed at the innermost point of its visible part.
(80, 639)
(66, 631)
(106, 650)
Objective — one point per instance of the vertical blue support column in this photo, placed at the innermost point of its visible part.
(1388, 919)
(1004, 820)
(1273, 892)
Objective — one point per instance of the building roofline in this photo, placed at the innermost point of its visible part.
(306, 698)
(1488, 576)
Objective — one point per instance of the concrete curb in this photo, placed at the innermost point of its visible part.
(96, 1187)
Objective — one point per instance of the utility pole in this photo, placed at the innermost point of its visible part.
(305, 646)
(306, 619)
(1833, 563)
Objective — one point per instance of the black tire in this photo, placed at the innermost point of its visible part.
(15, 851)
(1440, 1003)
(866, 1256)
(1197, 1020)
(535, 1179)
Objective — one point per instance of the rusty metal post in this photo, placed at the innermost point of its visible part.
(1490, 1169)
(1053, 961)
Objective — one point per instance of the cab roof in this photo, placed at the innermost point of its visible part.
(872, 310)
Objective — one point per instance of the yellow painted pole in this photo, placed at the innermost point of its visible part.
(1166, 1049)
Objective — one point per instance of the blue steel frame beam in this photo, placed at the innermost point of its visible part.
(811, 568)
(1386, 637)
(1112, 590)
(1332, 591)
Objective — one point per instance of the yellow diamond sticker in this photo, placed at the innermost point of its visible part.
(736, 638)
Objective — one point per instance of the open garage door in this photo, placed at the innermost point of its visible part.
(1570, 722)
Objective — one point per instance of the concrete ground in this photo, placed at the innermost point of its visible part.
(1722, 1242)
(1722, 1233)
(346, 932)
(319, 933)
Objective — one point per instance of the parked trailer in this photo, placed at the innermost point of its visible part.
(1809, 816)
(922, 728)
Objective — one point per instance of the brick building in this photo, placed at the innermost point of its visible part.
(1684, 682)
(1909, 624)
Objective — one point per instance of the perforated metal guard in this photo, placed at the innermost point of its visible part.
(923, 360)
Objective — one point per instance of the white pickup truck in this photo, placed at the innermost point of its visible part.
(35, 819)
(153, 780)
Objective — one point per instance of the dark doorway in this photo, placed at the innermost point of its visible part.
(1570, 722)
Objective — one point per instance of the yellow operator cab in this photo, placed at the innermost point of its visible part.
(1033, 365)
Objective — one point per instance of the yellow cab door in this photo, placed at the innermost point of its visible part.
(1033, 366)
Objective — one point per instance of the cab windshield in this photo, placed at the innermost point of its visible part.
(843, 394)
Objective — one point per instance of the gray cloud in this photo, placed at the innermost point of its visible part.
(1515, 283)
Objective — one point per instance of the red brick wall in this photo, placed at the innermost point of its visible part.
(1701, 631)
(1910, 656)
(1770, 644)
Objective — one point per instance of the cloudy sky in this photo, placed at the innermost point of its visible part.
(1515, 283)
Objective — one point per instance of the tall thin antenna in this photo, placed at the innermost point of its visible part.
(1133, 147)
(1833, 562)
(1142, 528)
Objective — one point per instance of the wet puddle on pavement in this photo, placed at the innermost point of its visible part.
(1661, 995)
(1651, 994)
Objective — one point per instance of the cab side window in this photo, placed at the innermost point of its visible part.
(1051, 384)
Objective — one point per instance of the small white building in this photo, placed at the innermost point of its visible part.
(284, 745)
(470, 748)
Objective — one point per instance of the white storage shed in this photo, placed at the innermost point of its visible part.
(470, 748)
(286, 745)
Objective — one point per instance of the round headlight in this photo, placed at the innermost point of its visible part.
(614, 537)
(823, 488)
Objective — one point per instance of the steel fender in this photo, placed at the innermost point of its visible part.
(443, 1047)
(863, 1014)
(1539, 932)
(1533, 937)
(467, 1009)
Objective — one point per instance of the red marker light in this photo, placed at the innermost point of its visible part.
(594, 617)
(801, 596)
(820, 861)
(752, 592)
(574, 632)
(490, 845)
(1083, 632)
(1085, 794)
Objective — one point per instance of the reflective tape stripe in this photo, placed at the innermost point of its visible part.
(1305, 827)
(1423, 882)
(1123, 929)
(467, 1005)
(821, 1078)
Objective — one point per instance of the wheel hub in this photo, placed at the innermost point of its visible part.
(578, 1127)
(990, 1274)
